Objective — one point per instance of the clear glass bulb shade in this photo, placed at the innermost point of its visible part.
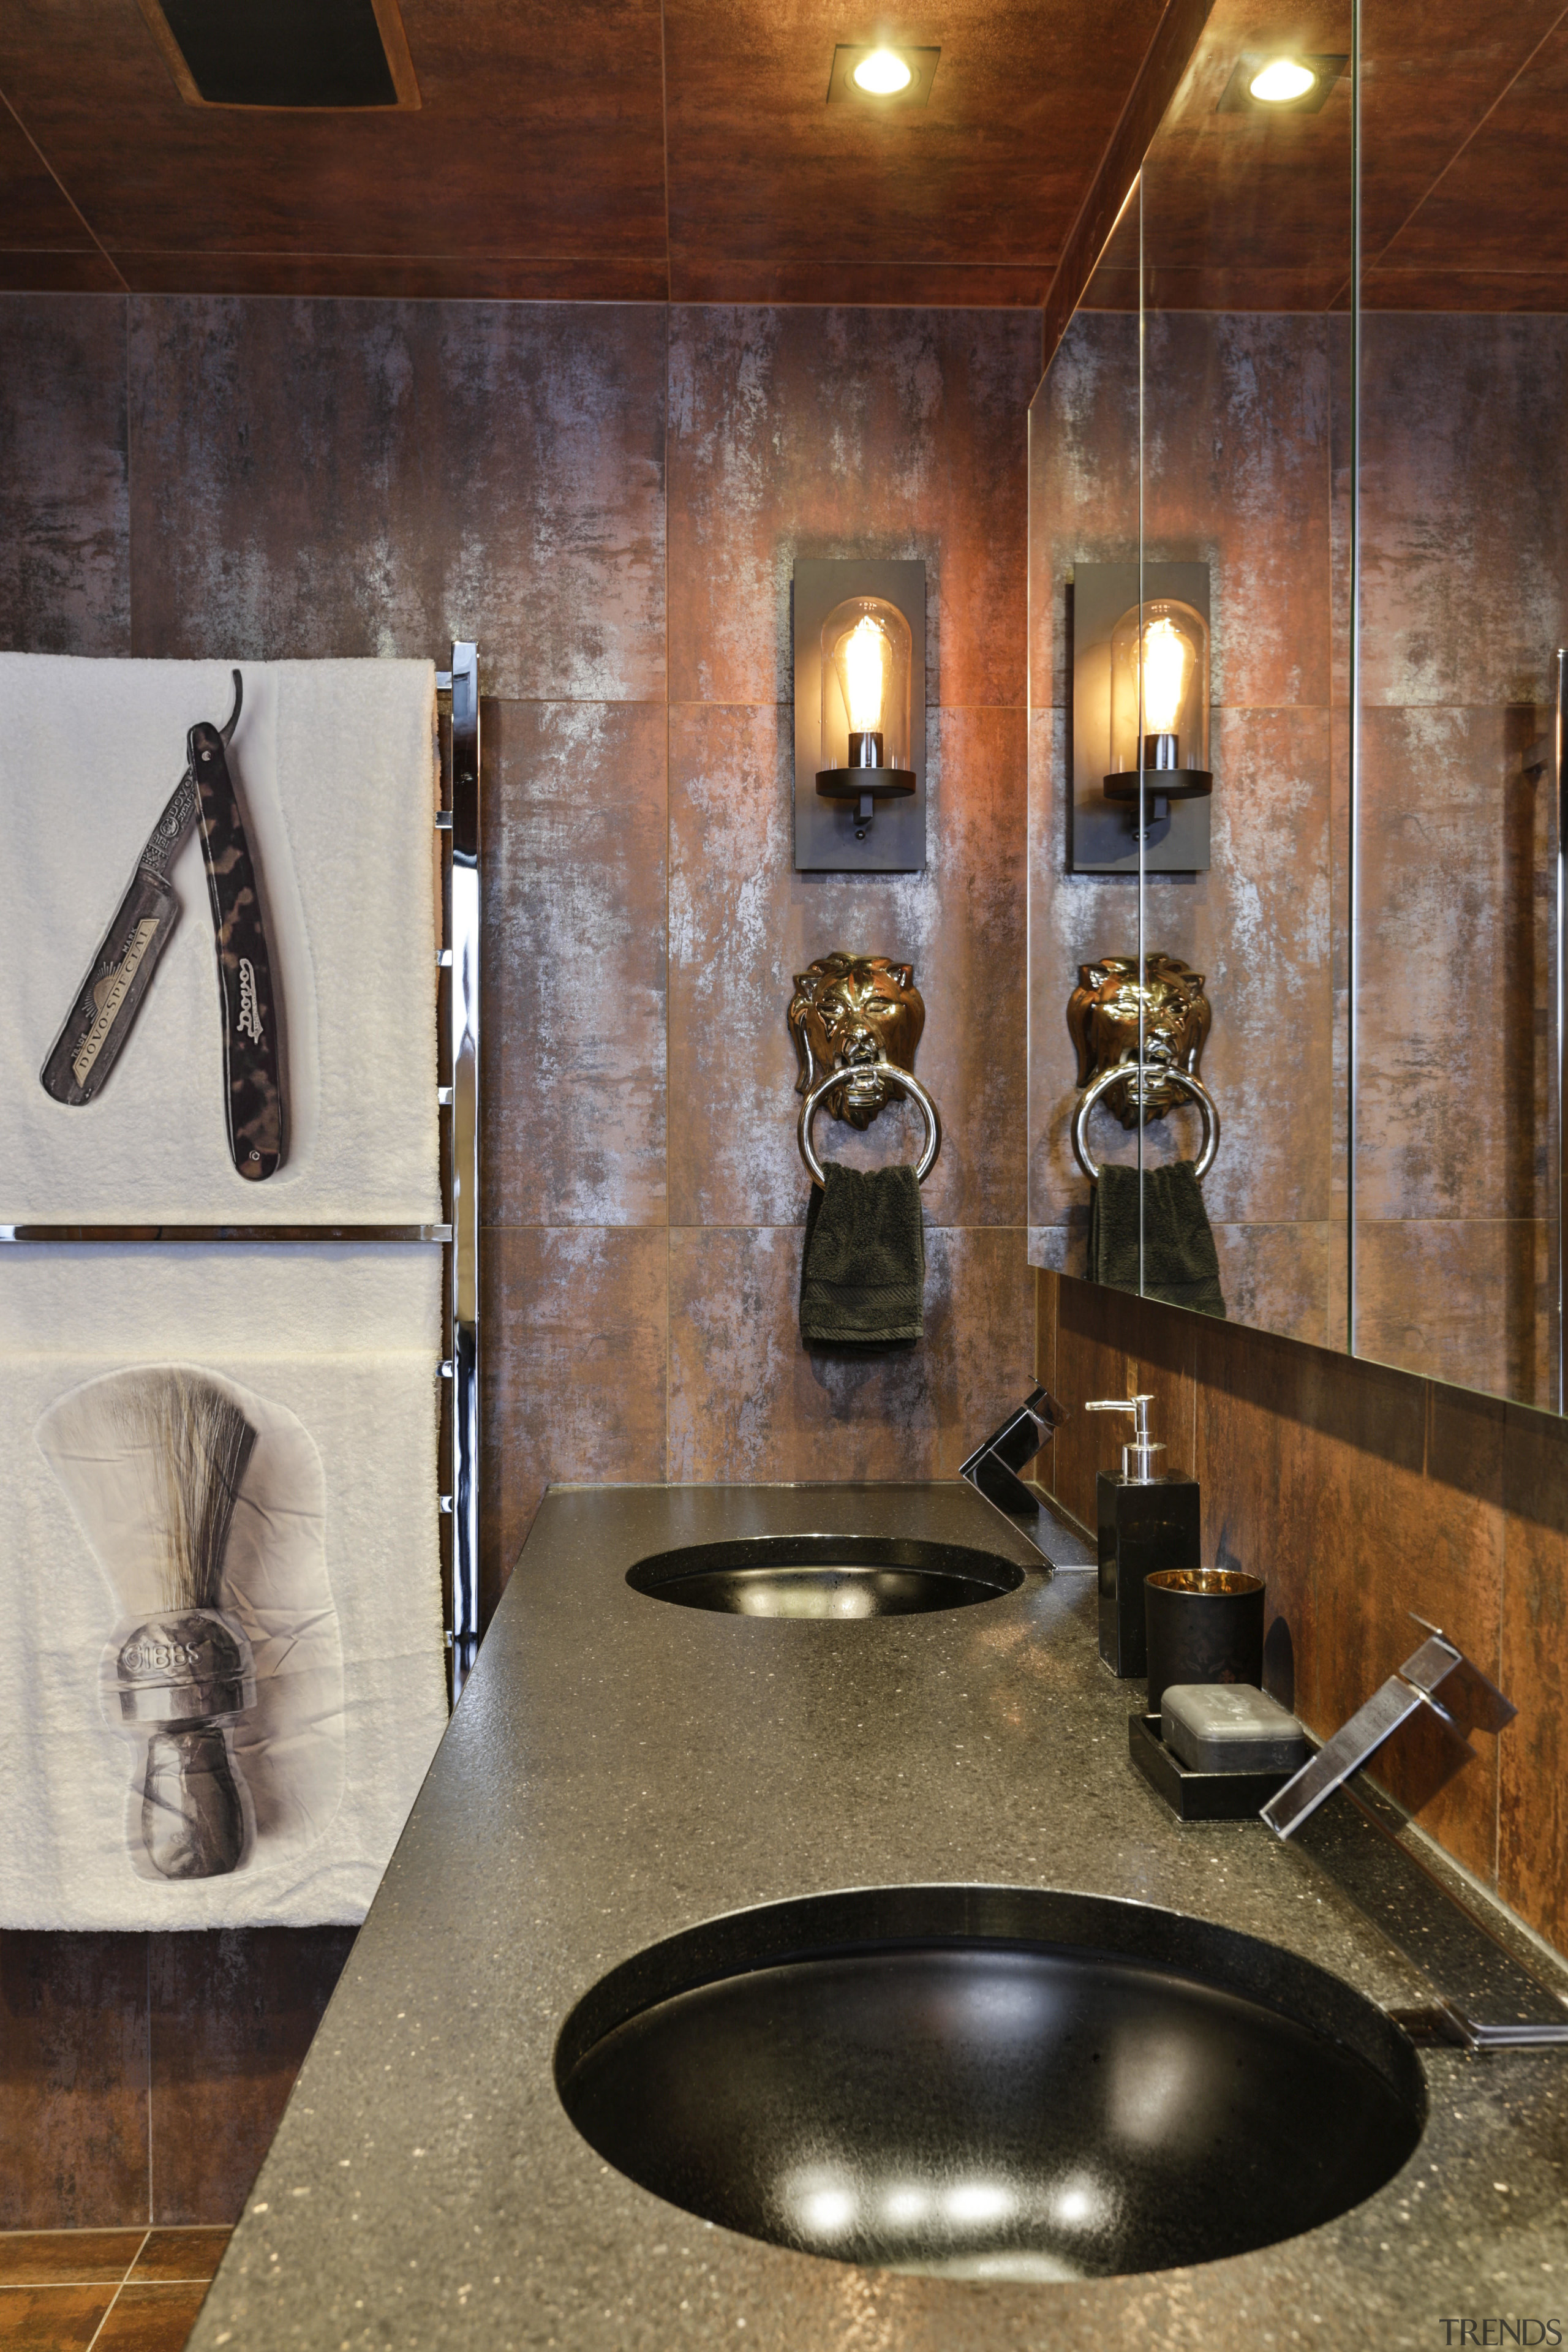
(867, 651)
(1159, 686)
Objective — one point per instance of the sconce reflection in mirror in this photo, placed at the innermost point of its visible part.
(1159, 692)
(859, 715)
(1141, 773)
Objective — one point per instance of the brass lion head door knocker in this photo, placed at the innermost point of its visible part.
(1103, 1017)
(855, 1022)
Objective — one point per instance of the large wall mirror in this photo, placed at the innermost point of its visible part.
(1297, 507)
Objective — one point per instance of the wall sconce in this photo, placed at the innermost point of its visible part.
(1140, 716)
(866, 651)
(1159, 691)
(859, 717)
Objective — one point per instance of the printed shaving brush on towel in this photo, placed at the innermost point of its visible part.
(186, 1670)
(153, 1459)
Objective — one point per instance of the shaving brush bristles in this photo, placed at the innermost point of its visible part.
(198, 1444)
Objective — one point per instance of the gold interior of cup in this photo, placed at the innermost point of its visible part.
(1204, 1579)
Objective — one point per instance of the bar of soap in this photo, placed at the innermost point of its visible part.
(1230, 1728)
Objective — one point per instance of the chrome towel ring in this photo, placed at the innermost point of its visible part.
(1208, 1109)
(890, 1073)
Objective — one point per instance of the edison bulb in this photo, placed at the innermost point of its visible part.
(866, 654)
(1282, 79)
(882, 75)
(1167, 659)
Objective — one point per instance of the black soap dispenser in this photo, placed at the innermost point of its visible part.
(1148, 1519)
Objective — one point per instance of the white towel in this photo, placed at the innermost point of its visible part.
(336, 763)
(331, 1571)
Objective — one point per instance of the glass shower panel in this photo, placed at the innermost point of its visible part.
(1244, 283)
(1463, 443)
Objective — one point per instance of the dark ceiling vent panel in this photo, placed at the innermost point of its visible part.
(285, 53)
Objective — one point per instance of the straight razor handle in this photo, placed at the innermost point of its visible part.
(252, 1068)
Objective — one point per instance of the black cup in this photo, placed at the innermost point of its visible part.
(1205, 1625)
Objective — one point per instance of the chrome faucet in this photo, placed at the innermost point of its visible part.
(1437, 1676)
(994, 1466)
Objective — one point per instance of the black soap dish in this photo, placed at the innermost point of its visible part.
(1198, 1796)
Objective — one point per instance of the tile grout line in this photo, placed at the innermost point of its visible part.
(1501, 1646)
(103, 2323)
(1468, 140)
(669, 821)
(669, 289)
(119, 2289)
(99, 246)
(130, 505)
(1330, 575)
(1193, 1424)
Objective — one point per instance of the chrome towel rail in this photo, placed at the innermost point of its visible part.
(460, 1096)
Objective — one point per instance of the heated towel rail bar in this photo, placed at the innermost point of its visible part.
(461, 1094)
(458, 1093)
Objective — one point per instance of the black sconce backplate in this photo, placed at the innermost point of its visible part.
(828, 835)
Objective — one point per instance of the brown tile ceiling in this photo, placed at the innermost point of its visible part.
(611, 151)
(1490, 231)
(1463, 169)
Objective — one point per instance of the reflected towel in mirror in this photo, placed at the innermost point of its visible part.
(1180, 1264)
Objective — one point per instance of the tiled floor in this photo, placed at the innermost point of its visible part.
(104, 2290)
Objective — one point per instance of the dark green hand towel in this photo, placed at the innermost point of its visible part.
(863, 1271)
(1179, 1261)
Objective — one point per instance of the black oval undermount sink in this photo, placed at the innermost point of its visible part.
(825, 1575)
(991, 2082)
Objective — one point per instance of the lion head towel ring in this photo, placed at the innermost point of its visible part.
(855, 1022)
(1138, 1045)
(1103, 1019)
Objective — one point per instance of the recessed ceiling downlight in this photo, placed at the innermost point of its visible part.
(882, 75)
(1282, 79)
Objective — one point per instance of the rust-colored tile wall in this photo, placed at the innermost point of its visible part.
(1359, 1492)
(835, 433)
(1463, 586)
(141, 2077)
(65, 539)
(595, 493)
(233, 2014)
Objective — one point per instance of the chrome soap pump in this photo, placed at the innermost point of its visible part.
(1147, 1519)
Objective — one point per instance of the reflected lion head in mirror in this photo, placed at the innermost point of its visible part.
(1103, 1015)
(847, 1011)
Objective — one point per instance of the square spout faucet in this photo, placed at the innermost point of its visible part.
(994, 1465)
(1437, 1677)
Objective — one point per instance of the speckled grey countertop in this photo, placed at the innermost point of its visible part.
(619, 1769)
